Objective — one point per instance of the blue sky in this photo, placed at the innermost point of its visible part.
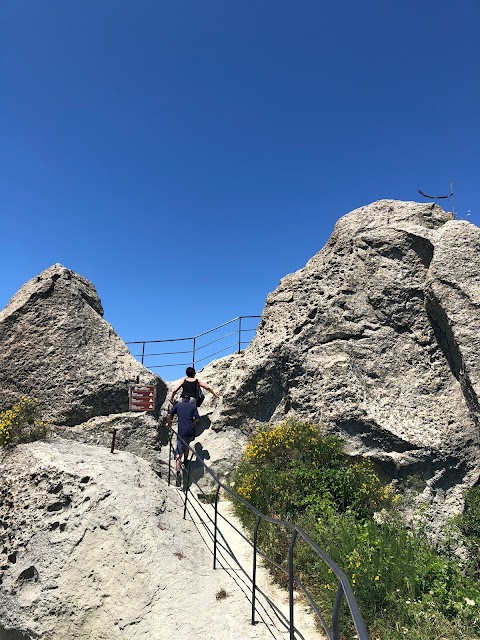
(185, 155)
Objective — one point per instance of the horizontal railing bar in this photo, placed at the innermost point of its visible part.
(178, 364)
(224, 325)
(207, 344)
(163, 340)
(199, 335)
(166, 353)
(183, 364)
(176, 353)
(216, 353)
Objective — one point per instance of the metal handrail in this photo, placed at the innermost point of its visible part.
(343, 589)
(195, 348)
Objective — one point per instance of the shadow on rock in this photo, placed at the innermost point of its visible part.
(196, 469)
(203, 424)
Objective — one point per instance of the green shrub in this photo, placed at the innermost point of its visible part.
(396, 574)
(469, 525)
(22, 423)
(291, 468)
(404, 587)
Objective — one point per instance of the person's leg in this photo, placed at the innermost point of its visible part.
(178, 457)
(187, 450)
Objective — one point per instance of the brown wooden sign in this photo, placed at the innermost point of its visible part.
(141, 397)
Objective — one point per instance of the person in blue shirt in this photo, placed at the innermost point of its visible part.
(187, 415)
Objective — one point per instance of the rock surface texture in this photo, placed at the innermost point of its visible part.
(377, 339)
(94, 547)
(56, 346)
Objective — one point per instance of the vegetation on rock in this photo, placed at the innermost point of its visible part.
(469, 525)
(405, 587)
(22, 423)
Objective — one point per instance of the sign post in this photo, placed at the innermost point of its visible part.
(141, 397)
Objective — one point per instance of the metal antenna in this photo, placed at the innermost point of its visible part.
(452, 195)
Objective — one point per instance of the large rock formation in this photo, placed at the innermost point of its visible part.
(56, 346)
(376, 339)
(94, 547)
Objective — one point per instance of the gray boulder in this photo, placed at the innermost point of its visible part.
(56, 346)
(94, 547)
(82, 537)
(376, 339)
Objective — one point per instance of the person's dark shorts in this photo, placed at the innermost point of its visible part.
(181, 448)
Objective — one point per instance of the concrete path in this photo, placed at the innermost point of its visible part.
(234, 561)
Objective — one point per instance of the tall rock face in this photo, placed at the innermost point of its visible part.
(377, 338)
(56, 346)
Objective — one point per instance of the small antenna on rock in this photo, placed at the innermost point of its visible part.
(450, 195)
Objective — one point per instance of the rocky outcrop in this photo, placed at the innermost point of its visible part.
(139, 433)
(80, 528)
(376, 339)
(94, 547)
(56, 346)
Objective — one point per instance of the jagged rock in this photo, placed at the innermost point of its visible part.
(56, 346)
(376, 339)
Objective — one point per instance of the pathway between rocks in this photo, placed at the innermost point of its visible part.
(234, 571)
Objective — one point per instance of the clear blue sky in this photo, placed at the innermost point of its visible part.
(184, 155)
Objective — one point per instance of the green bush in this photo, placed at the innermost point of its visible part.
(396, 575)
(469, 525)
(22, 423)
(404, 587)
(291, 468)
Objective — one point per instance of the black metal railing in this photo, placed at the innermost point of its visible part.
(195, 354)
(344, 589)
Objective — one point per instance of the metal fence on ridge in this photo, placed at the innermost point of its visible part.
(297, 536)
(198, 350)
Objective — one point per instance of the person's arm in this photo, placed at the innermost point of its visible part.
(170, 415)
(175, 391)
(205, 386)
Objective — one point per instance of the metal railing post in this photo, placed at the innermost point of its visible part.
(336, 613)
(254, 570)
(193, 353)
(215, 529)
(170, 449)
(143, 351)
(290, 582)
(114, 435)
(239, 334)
